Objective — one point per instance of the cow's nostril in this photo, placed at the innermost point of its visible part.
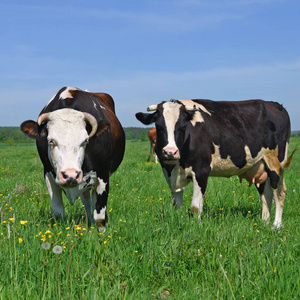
(77, 175)
(65, 175)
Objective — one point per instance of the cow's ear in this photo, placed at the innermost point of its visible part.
(145, 118)
(102, 126)
(30, 128)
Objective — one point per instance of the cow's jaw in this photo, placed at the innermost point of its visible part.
(67, 138)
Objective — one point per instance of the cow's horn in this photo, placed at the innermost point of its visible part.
(42, 118)
(152, 107)
(92, 120)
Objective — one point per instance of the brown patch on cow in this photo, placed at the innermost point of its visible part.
(103, 126)
(272, 161)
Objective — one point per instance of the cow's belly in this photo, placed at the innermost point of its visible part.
(89, 181)
(254, 170)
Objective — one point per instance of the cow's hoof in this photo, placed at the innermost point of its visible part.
(277, 226)
(101, 225)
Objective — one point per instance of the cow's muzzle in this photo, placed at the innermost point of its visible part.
(170, 155)
(70, 177)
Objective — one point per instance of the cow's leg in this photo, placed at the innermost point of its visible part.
(266, 195)
(199, 187)
(86, 201)
(100, 215)
(177, 198)
(55, 194)
(279, 191)
(279, 195)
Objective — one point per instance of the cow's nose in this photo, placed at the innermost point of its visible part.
(170, 153)
(70, 177)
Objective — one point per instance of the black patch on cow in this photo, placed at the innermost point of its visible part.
(274, 178)
(261, 188)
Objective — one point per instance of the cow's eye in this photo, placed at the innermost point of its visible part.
(52, 143)
(85, 142)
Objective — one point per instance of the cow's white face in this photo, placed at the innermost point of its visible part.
(67, 139)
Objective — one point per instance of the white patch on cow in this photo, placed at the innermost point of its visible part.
(101, 187)
(67, 134)
(198, 118)
(171, 116)
(89, 181)
(99, 216)
(95, 105)
(197, 199)
(178, 180)
(66, 93)
(220, 166)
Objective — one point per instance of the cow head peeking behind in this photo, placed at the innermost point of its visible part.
(170, 119)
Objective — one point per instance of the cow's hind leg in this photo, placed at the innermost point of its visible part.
(279, 196)
(266, 196)
(100, 215)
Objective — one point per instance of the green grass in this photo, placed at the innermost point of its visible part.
(149, 249)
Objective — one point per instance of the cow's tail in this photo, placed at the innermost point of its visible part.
(287, 163)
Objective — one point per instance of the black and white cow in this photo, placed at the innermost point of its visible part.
(201, 138)
(80, 142)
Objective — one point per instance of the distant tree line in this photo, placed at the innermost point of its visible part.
(13, 135)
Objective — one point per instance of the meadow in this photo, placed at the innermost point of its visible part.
(149, 249)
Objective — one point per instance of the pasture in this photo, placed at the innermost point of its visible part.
(149, 249)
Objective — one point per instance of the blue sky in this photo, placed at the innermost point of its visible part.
(143, 52)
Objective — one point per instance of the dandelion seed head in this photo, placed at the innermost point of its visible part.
(57, 249)
(46, 246)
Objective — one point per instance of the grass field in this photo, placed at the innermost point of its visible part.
(149, 249)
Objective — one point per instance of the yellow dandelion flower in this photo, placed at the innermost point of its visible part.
(20, 240)
(136, 251)
(23, 222)
(48, 232)
(11, 219)
(105, 242)
(67, 228)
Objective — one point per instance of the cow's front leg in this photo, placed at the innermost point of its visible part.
(177, 198)
(86, 201)
(55, 193)
(199, 187)
(100, 215)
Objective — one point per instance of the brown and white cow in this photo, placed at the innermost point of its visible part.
(80, 142)
(152, 139)
(201, 138)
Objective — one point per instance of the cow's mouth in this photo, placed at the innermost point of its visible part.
(171, 161)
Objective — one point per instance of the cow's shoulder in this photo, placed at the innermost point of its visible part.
(106, 100)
